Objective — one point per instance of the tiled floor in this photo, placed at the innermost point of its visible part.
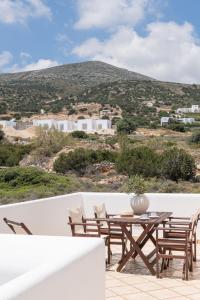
(136, 283)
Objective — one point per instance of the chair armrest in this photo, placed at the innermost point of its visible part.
(96, 219)
(174, 229)
(179, 218)
(177, 223)
(112, 215)
(86, 224)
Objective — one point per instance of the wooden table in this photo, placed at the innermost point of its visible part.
(136, 245)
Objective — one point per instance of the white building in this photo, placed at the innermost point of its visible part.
(88, 125)
(192, 109)
(8, 123)
(186, 120)
(167, 120)
(164, 121)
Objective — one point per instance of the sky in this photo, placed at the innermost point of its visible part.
(158, 38)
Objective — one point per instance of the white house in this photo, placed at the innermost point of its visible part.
(186, 120)
(88, 125)
(8, 123)
(164, 121)
(192, 109)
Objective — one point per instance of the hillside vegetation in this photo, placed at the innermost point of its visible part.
(55, 88)
(97, 163)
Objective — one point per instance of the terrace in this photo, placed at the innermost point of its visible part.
(53, 265)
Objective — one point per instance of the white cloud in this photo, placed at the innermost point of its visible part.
(5, 59)
(40, 64)
(169, 51)
(109, 13)
(18, 11)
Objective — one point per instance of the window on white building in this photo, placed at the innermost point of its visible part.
(61, 127)
(84, 126)
(99, 126)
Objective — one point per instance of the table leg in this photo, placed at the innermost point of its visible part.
(134, 247)
(145, 236)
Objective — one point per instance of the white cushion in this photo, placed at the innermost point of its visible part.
(100, 211)
(76, 215)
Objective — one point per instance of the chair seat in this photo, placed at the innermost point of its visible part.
(175, 234)
(173, 245)
(112, 233)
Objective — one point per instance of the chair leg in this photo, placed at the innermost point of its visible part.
(186, 266)
(191, 258)
(108, 251)
(157, 263)
(195, 248)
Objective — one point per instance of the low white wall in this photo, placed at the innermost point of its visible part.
(179, 204)
(50, 216)
(44, 217)
(183, 205)
(38, 267)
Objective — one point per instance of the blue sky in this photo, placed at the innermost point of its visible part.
(159, 38)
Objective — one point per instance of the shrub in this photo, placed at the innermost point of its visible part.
(76, 160)
(49, 142)
(140, 160)
(115, 120)
(20, 183)
(105, 117)
(79, 134)
(1, 135)
(177, 127)
(79, 159)
(126, 125)
(195, 138)
(11, 155)
(178, 164)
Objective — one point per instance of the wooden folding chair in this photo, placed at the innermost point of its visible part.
(177, 222)
(82, 227)
(17, 227)
(114, 232)
(176, 239)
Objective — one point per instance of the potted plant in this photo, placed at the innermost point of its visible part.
(139, 201)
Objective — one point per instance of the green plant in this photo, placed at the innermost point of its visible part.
(177, 127)
(137, 184)
(20, 183)
(49, 141)
(79, 159)
(178, 164)
(11, 155)
(79, 134)
(126, 125)
(140, 160)
(1, 135)
(195, 138)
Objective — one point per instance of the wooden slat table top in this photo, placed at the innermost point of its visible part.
(162, 216)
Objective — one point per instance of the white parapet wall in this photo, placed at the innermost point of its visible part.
(44, 217)
(42, 267)
(50, 216)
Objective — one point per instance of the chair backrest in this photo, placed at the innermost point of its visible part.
(76, 216)
(100, 212)
(17, 227)
(198, 214)
(193, 224)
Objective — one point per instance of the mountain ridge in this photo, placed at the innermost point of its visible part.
(55, 88)
(90, 70)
